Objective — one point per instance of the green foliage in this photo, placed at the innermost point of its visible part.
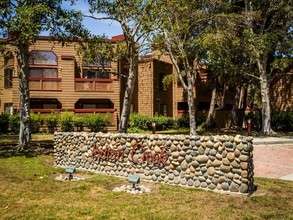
(66, 121)
(78, 122)
(164, 123)
(96, 122)
(37, 120)
(142, 122)
(51, 121)
(282, 121)
(139, 122)
(14, 123)
(4, 123)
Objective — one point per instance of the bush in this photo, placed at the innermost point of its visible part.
(51, 121)
(164, 123)
(4, 123)
(14, 123)
(282, 121)
(144, 122)
(183, 122)
(78, 122)
(66, 121)
(97, 122)
(141, 122)
(37, 120)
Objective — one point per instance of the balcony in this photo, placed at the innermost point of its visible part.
(45, 84)
(99, 85)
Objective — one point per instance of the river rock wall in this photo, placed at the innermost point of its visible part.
(214, 162)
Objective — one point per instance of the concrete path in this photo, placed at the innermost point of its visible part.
(273, 157)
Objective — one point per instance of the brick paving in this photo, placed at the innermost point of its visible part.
(273, 161)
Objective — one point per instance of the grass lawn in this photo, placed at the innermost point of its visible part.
(28, 190)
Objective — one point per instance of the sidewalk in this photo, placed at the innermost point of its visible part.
(273, 157)
(272, 140)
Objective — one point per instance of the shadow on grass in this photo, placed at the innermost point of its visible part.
(37, 148)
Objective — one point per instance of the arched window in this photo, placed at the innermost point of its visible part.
(38, 57)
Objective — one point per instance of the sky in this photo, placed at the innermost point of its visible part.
(97, 27)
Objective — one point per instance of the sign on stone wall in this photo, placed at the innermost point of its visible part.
(213, 162)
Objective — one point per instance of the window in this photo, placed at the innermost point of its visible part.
(8, 78)
(45, 103)
(97, 62)
(43, 73)
(94, 104)
(8, 108)
(96, 73)
(164, 109)
(8, 71)
(42, 58)
(182, 106)
(162, 86)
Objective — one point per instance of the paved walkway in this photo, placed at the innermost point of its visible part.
(273, 157)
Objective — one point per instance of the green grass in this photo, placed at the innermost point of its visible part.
(29, 191)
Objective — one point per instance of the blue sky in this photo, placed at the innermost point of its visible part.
(98, 27)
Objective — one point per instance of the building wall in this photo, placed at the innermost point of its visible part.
(145, 88)
(282, 94)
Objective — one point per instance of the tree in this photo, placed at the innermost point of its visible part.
(268, 38)
(182, 22)
(136, 18)
(20, 22)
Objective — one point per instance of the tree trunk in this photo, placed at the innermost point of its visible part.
(223, 97)
(191, 108)
(24, 104)
(235, 107)
(133, 72)
(251, 97)
(265, 97)
(212, 106)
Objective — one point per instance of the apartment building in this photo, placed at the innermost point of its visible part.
(155, 97)
(60, 81)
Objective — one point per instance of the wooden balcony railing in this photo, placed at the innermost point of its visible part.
(48, 84)
(43, 110)
(101, 85)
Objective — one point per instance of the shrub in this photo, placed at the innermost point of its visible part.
(183, 122)
(14, 123)
(164, 123)
(37, 120)
(282, 121)
(78, 122)
(66, 121)
(51, 121)
(4, 123)
(97, 122)
(142, 122)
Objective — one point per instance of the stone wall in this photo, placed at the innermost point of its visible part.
(213, 162)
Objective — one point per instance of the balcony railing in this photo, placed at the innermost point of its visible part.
(101, 85)
(48, 84)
